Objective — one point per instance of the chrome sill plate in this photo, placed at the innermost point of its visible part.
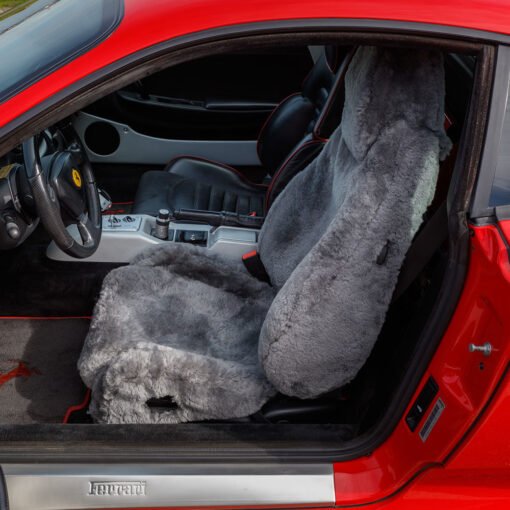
(84, 486)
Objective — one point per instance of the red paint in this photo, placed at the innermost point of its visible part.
(145, 26)
(480, 468)
(477, 476)
(20, 371)
(77, 407)
(505, 229)
(481, 315)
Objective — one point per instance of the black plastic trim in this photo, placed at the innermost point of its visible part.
(4, 496)
(493, 141)
(422, 404)
(316, 443)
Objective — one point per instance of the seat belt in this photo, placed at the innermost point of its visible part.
(426, 243)
(255, 267)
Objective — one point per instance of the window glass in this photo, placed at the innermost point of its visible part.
(48, 33)
(500, 193)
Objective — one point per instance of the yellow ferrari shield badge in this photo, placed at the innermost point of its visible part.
(76, 178)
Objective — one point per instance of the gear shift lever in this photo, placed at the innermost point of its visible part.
(162, 223)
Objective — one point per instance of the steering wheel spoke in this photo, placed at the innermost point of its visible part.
(65, 194)
(86, 228)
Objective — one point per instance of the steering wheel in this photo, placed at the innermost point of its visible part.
(65, 193)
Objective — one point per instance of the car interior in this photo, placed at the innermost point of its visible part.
(253, 237)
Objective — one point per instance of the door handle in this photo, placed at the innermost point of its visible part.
(485, 349)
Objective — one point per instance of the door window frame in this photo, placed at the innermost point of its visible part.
(496, 148)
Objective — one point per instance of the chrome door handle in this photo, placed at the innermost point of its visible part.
(485, 349)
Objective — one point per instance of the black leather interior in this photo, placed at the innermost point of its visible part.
(304, 154)
(286, 126)
(195, 183)
(291, 137)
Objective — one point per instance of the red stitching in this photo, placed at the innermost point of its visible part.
(77, 407)
(271, 115)
(222, 165)
(280, 170)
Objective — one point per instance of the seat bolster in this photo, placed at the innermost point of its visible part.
(293, 119)
(153, 191)
(196, 183)
(213, 174)
(297, 161)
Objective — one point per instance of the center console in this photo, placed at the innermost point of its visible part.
(126, 235)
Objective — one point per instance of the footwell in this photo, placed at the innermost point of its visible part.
(39, 380)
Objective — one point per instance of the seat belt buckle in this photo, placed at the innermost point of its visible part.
(255, 267)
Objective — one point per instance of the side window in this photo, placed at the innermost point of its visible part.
(500, 192)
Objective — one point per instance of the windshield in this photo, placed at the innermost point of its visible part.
(11, 7)
(36, 37)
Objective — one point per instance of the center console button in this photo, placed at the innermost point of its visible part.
(192, 236)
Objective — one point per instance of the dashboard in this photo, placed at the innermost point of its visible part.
(18, 212)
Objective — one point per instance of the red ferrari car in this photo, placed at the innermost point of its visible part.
(255, 254)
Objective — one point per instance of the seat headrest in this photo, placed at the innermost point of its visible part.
(332, 54)
(377, 75)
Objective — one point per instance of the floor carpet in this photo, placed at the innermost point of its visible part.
(38, 375)
(32, 284)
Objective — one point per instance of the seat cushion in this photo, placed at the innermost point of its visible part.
(195, 183)
(182, 324)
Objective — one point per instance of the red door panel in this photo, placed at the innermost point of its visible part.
(466, 382)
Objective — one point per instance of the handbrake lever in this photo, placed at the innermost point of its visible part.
(219, 218)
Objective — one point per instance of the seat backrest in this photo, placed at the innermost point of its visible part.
(304, 113)
(334, 240)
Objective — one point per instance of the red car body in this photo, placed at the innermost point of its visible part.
(466, 461)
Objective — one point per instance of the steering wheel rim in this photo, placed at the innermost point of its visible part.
(48, 204)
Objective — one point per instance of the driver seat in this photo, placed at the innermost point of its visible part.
(198, 331)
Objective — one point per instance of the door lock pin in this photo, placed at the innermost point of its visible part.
(485, 349)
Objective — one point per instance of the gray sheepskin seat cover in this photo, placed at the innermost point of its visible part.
(181, 323)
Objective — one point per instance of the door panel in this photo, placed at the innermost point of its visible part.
(128, 146)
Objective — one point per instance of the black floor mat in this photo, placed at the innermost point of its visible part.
(39, 379)
(32, 284)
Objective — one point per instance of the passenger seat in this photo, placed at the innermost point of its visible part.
(291, 138)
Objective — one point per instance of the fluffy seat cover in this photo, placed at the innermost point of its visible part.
(179, 322)
(176, 323)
